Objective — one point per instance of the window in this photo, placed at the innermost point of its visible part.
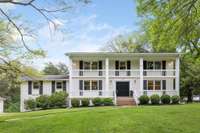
(150, 84)
(157, 65)
(150, 65)
(94, 85)
(36, 85)
(58, 85)
(145, 84)
(157, 85)
(94, 65)
(86, 65)
(122, 65)
(87, 85)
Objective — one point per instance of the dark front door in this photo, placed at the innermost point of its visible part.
(122, 88)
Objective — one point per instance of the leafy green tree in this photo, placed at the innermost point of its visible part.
(52, 69)
(134, 43)
(171, 25)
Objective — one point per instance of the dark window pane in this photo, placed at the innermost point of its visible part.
(149, 65)
(122, 65)
(58, 85)
(157, 85)
(150, 84)
(94, 65)
(94, 85)
(36, 85)
(86, 85)
(86, 65)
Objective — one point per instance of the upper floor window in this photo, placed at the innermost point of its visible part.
(122, 65)
(152, 64)
(90, 65)
(36, 85)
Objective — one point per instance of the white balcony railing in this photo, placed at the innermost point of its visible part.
(124, 73)
(166, 72)
(88, 73)
(92, 93)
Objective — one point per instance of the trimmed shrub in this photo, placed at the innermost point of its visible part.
(85, 102)
(155, 99)
(58, 99)
(75, 102)
(144, 99)
(30, 104)
(97, 101)
(42, 102)
(175, 99)
(165, 99)
(107, 101)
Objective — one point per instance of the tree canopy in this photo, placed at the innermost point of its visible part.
(52, 69)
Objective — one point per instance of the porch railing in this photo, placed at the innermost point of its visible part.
(88, 73)
(124, 73)
(166, 72)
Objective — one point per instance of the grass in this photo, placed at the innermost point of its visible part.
(142, 119)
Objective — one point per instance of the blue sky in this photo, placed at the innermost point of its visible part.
(86, 28)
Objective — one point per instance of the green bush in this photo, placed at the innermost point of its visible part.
(85, 102)
(155, 99)
(43, 101)
(175, 99)
(75, 102)
(30, 104)
(144, 99)
(107, 101)
(13, 107)
(58, 99)
(165, 99)
(97, 101)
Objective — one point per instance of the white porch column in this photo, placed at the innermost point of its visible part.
(70, 82)
(141, 75)
(107, 75)
(177, 74)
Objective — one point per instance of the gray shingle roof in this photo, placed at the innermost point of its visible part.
(46, 77)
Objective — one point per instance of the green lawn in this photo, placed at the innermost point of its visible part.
(146, 119)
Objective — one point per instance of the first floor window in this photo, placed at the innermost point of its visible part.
(87, 85)
(36, 85)
(58, 85)
(157, 85)
(150, 84)
(94, 85)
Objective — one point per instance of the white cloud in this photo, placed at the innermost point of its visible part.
(86, 34)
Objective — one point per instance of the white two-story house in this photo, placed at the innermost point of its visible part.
(108, 74)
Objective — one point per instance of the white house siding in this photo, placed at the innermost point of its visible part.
(47, 88)
(1, 105)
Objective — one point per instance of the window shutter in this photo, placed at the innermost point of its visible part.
(41, 88)
(128, 64)
(29, 87)
(81, 84)
(100, 68)
(64, 86)
(81, 64)
(52, 86)
(117, 64)
(164, 84)
(144, 64)
(163, 64)
(100, 84)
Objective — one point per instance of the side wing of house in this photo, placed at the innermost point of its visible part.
(33, 88)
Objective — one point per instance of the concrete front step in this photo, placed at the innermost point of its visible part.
(121, 101)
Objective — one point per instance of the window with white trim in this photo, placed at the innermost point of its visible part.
(87, 85)
(122, 65)
(90, 65)
(91, 84)
(154, 84)
(154, 65)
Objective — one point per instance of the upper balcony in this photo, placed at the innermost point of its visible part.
(124, 73)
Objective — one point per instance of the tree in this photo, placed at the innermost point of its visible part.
(134, 43)
(171, 24)
(52, 69)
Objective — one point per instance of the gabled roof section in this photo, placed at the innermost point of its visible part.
(45, 77)
(107, 54)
